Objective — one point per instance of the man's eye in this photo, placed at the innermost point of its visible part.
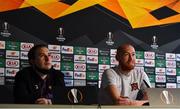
(41, 55)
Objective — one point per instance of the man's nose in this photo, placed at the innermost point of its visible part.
(130, 57)
(47, 58)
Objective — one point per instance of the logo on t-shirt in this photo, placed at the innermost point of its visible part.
(134, 86)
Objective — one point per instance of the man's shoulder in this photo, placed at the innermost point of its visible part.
(110, 69)
(25, 72)
(56, 72)
(57, 77)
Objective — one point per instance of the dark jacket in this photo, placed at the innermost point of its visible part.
(28, 88)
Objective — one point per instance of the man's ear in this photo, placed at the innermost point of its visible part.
(117, 57)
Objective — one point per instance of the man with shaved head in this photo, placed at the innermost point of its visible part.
(121, 84)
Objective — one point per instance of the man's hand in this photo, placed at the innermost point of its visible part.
(43, 101)
(126, 101)
(123, 101)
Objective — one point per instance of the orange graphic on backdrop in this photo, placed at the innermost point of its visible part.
(137, 12)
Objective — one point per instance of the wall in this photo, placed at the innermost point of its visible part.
(86, 25)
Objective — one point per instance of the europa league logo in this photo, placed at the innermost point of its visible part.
(154, 44)
(75, 96)
(60, 37)
(167, 97)
(110, 40)
(5, 31)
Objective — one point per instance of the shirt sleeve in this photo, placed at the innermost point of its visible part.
(108, 78)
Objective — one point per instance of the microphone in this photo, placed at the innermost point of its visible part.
(140, 93)
(147, 85)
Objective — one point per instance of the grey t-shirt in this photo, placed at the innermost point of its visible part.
(128, 85)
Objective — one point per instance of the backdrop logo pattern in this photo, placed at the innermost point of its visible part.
(130, 9)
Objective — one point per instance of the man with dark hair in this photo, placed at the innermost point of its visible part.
(40, 83)
(120, 85)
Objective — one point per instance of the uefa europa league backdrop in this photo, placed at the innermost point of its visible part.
(83, 34)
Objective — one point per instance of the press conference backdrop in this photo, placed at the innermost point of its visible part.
(85, 24)
(83, 66)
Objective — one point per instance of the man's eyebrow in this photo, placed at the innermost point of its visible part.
(41, 53)
(122, 53)
(128, 52)
(125, 52)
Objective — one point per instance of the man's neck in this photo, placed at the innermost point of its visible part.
(124, 72)
(43, 76)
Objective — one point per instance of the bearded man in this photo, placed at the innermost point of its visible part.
(120, 85)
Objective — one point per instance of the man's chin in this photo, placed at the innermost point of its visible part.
(47, 67)
(129, 67)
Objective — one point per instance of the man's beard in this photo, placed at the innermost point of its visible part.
(127, 67)
(43, 71)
